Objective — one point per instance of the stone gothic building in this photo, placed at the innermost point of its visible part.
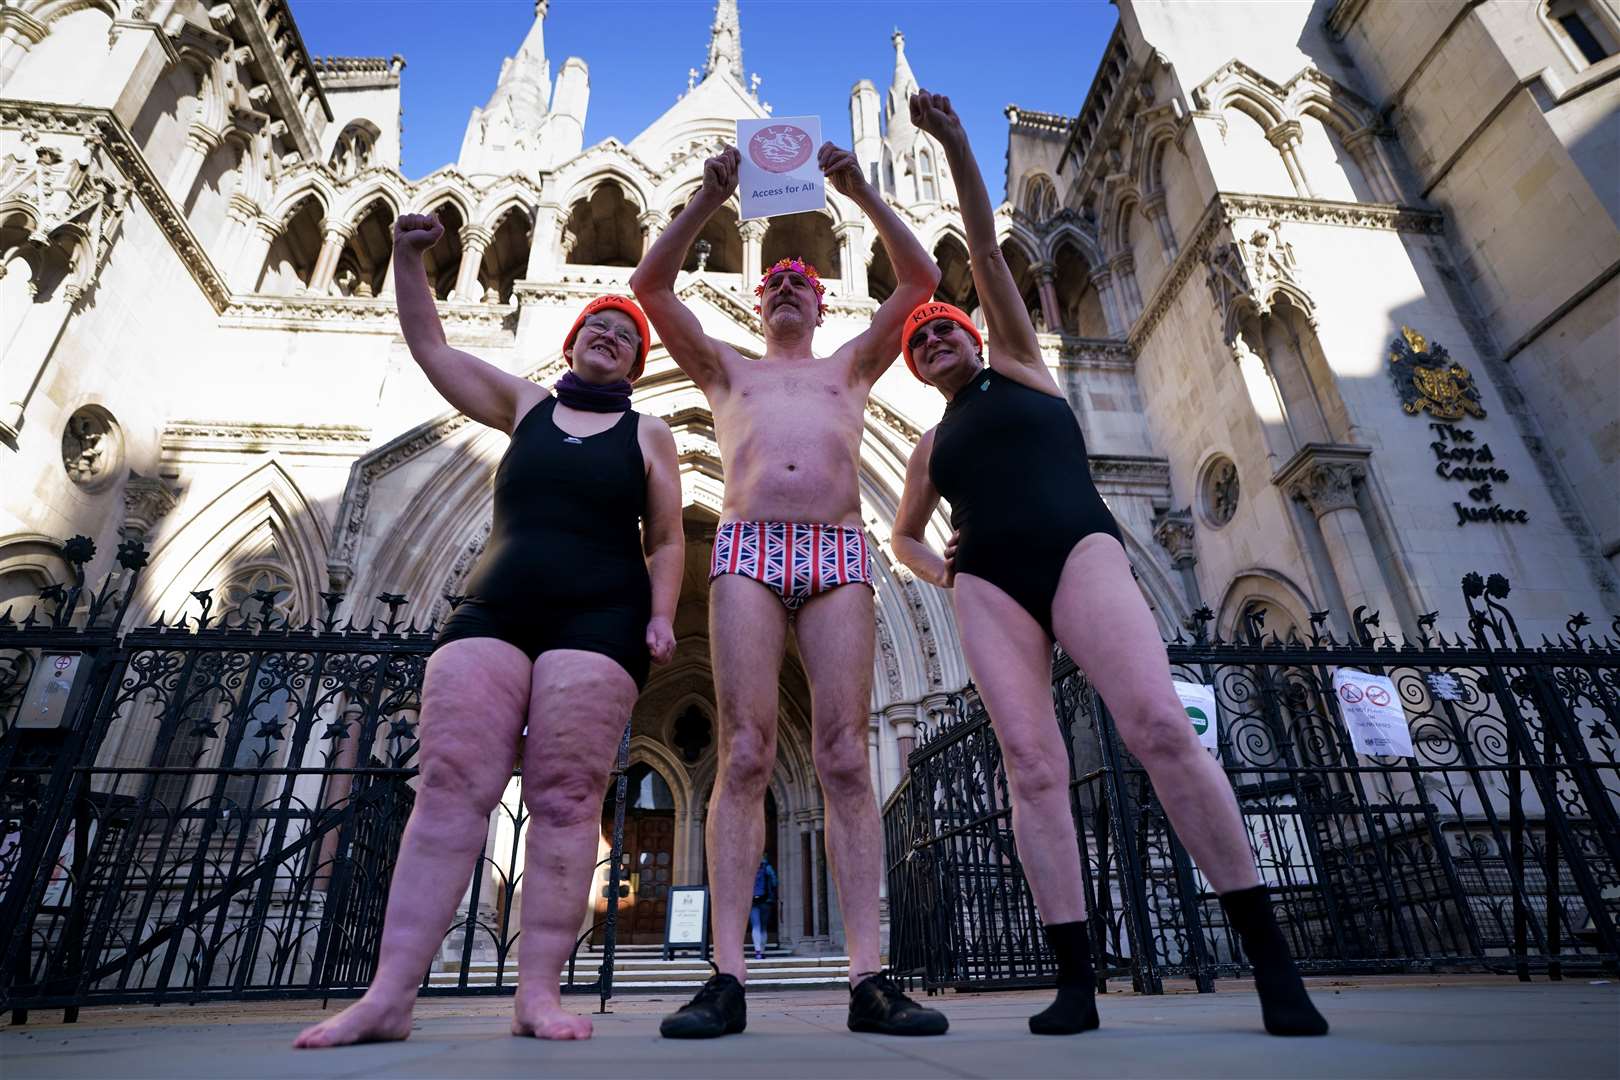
(1330, 285)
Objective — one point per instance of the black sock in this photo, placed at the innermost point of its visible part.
(1075, 1009)
(1286, 1007)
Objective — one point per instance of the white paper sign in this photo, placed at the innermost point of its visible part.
(1199, 701)
(686, 915)
(779, 174)
(1373, 713)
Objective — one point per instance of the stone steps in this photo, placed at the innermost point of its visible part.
(642, 967)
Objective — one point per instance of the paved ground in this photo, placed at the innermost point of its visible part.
(1433, 1029)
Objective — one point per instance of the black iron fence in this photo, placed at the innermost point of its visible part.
(211, 806)
(1494, 847)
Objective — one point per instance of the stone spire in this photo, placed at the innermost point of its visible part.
(904, 83)
(524, 88)
(525, 127)
(725, 42)
(913, 164)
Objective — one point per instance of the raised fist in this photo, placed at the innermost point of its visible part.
(934, 115)
(841, 169)
(417, 232)
(720, 173)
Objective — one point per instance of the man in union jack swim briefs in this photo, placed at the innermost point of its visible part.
(790, 551)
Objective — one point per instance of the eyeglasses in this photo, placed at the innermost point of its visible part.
(941, 329)
(618, 333)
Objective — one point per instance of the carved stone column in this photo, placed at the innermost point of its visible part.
(652, 223)
(475, 240)
(18, 34)
(1123, 271)
(146, 500)
(320, 280)
(1155, 211)
(1103, 280)
(1051, 310)
(249, 266)
(1286, 137)
(28, 353)
(1365, 150)
(1324, 478)
(1174, 532)
(544, 254)
(753, 238)
(201, 141)
(902, 717)
(874, 759)
(851, 249)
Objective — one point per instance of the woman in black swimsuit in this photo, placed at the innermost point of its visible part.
(573, 596)
(1036, 555)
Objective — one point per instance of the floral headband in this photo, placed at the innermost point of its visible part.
(800, 266)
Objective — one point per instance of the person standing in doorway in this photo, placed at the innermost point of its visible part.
(764, 900)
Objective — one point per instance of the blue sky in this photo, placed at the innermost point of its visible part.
(985, 54)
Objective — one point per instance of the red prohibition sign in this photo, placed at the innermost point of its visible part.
(1350, 692)
(1378, 696)
(780, 148)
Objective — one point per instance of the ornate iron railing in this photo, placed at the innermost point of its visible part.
(211, 807)
(1495, 847)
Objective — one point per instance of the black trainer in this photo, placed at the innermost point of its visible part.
(876, 1004)
(718, 1009)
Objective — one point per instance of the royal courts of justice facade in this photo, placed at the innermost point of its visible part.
(1330, 285)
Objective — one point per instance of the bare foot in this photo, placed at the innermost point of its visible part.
(549, 1020)
(365, 1021)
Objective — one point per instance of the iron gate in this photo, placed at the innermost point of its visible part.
(216, 803)
(1495, 848)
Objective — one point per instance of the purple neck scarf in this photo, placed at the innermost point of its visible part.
(576, 393)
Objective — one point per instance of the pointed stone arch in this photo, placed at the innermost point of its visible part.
(264, 506)
(1267, 586)
(314, 185)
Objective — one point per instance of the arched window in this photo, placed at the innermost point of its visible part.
(355, 149)
(290, 264)
(927, 189)
(955, 275)
(1040, 198)
(1585, 30)
(506, 259)
(803, 236)
(364, 262)
(602, 230)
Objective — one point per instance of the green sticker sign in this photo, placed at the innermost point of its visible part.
(1199, 701)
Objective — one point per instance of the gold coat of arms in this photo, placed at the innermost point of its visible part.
(1429, 380)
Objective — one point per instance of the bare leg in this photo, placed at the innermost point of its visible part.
(577, 712)
(474, 697)
(1010, 658)
(747, 630)
(1105, 625)
(836, 632)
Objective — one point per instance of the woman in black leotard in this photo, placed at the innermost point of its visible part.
(1036, 555)
(573, 596)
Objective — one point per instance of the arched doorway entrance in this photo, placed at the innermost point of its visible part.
(649, 857)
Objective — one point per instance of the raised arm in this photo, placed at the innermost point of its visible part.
(663, 537)
(1013, 344)
(695, 352)
(917, 504)
(915, 273)
(477, 388)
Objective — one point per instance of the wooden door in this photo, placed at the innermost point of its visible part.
(649, 864)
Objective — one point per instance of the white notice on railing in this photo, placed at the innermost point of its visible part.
(1199, 701)
(1372, 711)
